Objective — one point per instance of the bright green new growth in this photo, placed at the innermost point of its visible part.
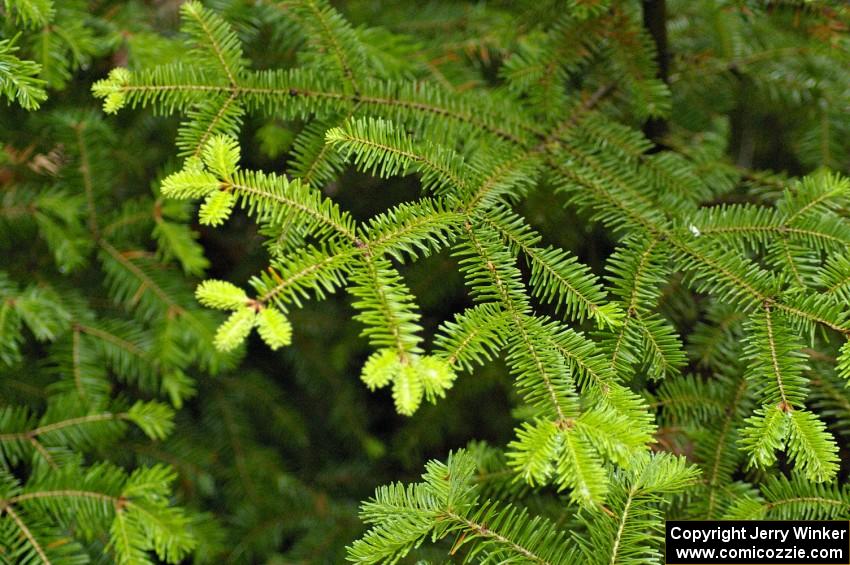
(271, 324)
(221, 295)
(274, 328)
(235, 329)
(412, 377)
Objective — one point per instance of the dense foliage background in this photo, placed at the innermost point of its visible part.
(111, 382)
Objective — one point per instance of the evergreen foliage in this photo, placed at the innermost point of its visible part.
(514, 203)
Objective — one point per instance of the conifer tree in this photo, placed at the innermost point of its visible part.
(564, 202)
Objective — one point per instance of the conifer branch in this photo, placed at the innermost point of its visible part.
(124, 344)
(213, 36)
(754, 278)
(85, 170)
(41, 430)
(621, 520)
(516, 313)
(712, 480)
(7, 508)
(290, 202)
(482, 531)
